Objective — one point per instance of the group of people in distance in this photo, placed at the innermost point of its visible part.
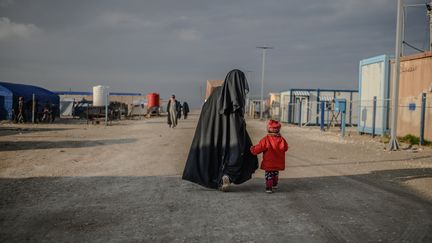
(222, 152)
(24, 111)
(174, 109)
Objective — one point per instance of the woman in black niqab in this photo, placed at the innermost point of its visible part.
(221, 143)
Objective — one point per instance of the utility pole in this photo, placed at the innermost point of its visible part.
(394, 144)
(264, 49)
(429, 12)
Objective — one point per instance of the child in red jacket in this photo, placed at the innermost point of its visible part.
(274, 147)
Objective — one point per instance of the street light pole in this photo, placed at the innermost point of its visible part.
(394, 144)
(264, 49)
(429, 12)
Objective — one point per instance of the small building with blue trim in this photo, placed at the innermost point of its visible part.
(302, 105)
(10, 93)
(374, 85)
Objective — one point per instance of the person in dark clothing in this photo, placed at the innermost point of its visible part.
(185, 109)
(220, 154)
(47, 113)
(179, 111)
(20, 116)
(173, 108)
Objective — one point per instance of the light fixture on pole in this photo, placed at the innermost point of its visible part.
(264, 49)
(394, 144)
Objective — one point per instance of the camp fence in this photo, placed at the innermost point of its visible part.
(369, 116)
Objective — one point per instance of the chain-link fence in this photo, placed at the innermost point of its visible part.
(370, 116)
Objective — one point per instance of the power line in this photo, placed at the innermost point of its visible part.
(413, 47)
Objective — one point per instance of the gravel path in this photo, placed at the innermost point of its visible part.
(80, 183)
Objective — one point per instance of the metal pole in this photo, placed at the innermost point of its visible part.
(374, 115)
(106, 108)
(422, 118)
(322, 114)
(300, 113)
(394, 144)
(33, 108)
(343, 122)
(429, 11)
(264, 49)
(262, 84)
(404, 19)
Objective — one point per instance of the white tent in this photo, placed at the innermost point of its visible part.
(67, 106)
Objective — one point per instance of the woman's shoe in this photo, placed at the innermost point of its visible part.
(225, 183)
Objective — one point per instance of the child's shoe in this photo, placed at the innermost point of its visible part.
(269, 186)
(275, 187)
(275, 182)
(225, 183)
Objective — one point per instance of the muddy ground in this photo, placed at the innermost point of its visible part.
(75, 182)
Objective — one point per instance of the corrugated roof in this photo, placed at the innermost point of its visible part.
(301, 93)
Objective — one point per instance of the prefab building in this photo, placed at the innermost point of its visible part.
(10, 93)
(303, 105)
(274, 106)
(284, 103)
(415, 82)
(211, 86)
(374, 79)
(122, 97)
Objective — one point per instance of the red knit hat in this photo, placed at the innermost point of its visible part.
(273, 126)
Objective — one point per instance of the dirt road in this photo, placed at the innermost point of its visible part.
(78, 183)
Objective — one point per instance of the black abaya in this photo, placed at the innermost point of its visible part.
(221, 143)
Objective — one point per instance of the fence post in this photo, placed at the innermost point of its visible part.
(33, 108)
(343, 122)
(322, 115)
(374, 115)
(300, 113)
(422, 118)
(289, 113)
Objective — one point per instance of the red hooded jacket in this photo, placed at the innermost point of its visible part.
(274, 147)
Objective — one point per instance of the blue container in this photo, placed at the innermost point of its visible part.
(340, 105)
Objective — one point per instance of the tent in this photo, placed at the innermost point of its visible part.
(67, 106)
(10, 93)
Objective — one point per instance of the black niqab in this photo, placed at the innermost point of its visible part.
(221, 145)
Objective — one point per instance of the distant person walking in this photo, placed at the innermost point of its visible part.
(173, 108)
(179, 111)
(20, 116)
(185, 109)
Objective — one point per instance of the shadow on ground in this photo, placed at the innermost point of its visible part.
(6, 131)
(30, 145)
(370, 207)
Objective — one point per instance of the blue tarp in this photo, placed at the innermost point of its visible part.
(10, 93)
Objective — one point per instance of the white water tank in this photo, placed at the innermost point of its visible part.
(100, 95)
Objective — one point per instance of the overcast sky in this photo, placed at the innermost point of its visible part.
(173, 46)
